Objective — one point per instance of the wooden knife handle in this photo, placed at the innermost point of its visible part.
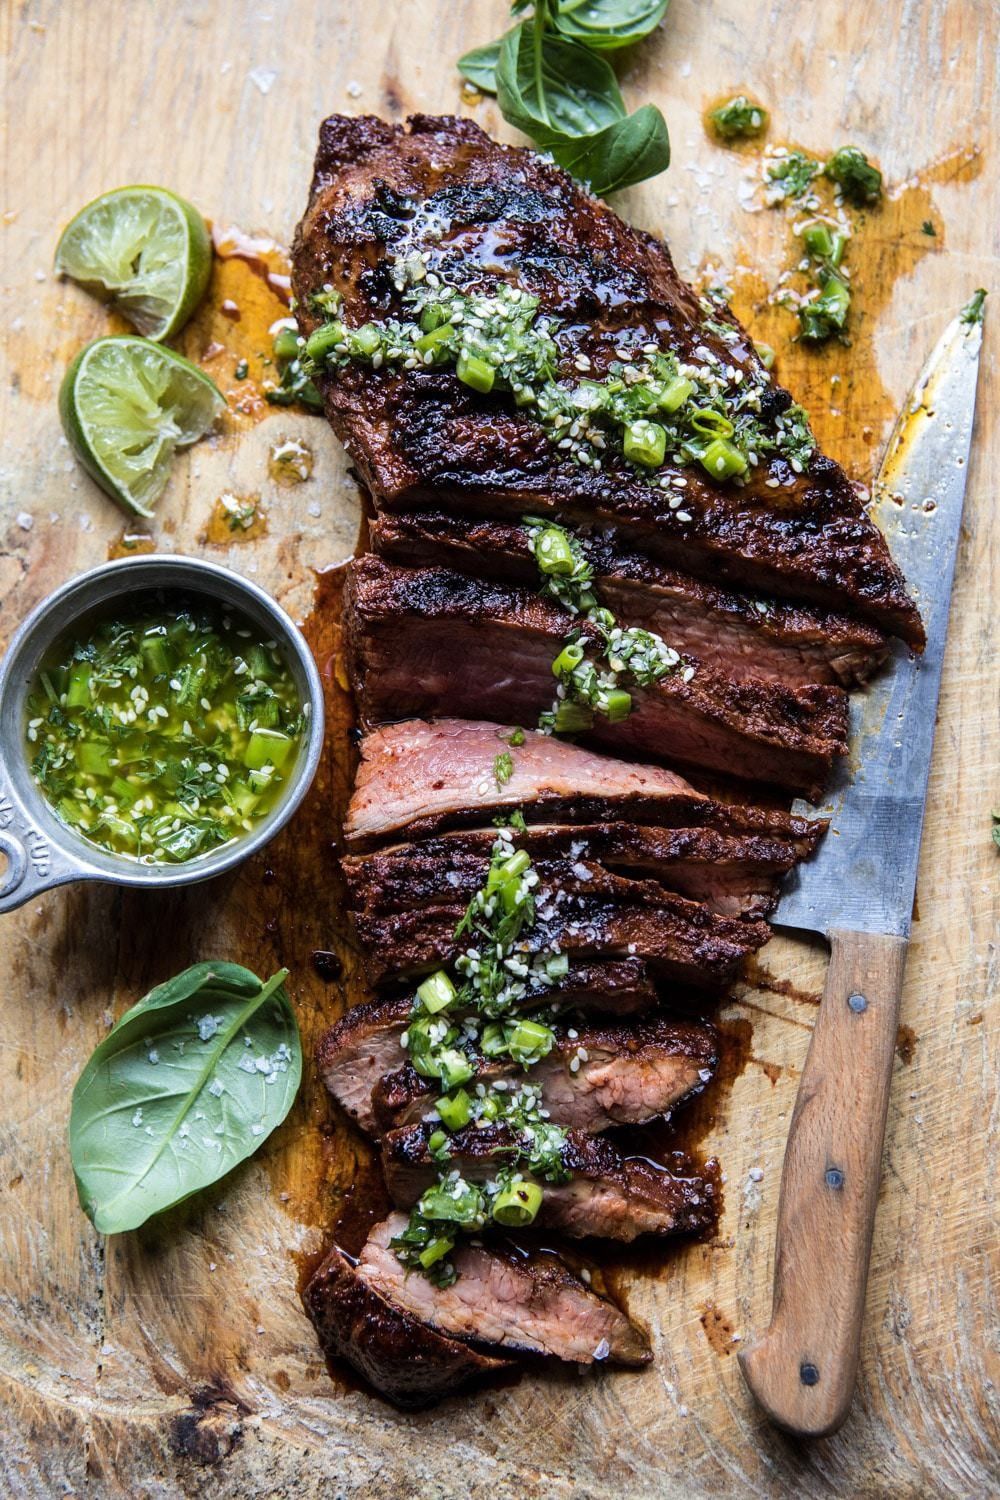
(803, 1370)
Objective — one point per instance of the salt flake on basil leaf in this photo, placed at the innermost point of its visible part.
(187, 1085)
(551, 88)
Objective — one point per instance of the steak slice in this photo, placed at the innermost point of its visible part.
(680, 940)
(430, 641)
(418, 778)
(609, 1195)
(737, 634)
(595, 1077)
(479, 213)
(354, 1054)
(507, 1300)
(411, 1363)
(736, 874)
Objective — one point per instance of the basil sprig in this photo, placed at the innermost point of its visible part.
(552, 83)
(188, 1084)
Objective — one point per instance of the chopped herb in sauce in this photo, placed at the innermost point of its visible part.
(739, 118)
(165, 731)
(593, 665)
(858, 180)
(790, 175)
(653, 408)
(453, 1023)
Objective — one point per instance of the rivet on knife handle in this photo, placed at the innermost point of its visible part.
(804, 1368)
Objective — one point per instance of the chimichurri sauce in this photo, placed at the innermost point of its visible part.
(165, 729)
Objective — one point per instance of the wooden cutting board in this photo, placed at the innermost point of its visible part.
(177, 1360)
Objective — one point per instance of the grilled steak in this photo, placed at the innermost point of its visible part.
(681, 940)
(609, 1195)
(507, 1300)
(479, 213)
(404, 1358)
(593, 1079)
(735, 874)
(429, 641)
(354, 1054)
(737, 634)
(421, 777)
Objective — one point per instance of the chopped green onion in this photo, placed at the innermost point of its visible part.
(286, 344)
(645, 443)
(323, 340)
(78, 691)
(267, 745)
(453, 1067)
(766, 355)
(617, 705)
(93, 759)
(517, 1205)
(711, 424)
(571, 718)
(455, 1109)
(435, 342)
(723, 460)
(435, 1250)
(569, 658)
(674, 395)
(554, 553)
(436, 993)
(529, 1041)
(824, 243)
(366, 340)
(475, 372)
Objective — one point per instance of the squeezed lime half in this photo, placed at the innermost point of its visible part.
(143, 249)
(126, 406)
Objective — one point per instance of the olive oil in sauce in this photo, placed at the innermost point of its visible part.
(165, 730)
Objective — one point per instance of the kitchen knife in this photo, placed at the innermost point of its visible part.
(858, 893)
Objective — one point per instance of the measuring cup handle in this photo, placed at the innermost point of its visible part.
(32, 865)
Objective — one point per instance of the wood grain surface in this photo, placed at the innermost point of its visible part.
(177, 1361)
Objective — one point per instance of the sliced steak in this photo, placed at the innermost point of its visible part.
(681, 940)
(507, 1300)
(736, 874)
(738, 634)
(418, 778)
(354, 1054)
(432, 641)
(609, 1195)
(595, 1077)
(479, 212)
(407, 1360)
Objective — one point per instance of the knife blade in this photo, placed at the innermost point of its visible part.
(858, 893)
(864, 876)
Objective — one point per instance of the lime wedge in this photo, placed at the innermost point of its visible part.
(126, 406)
(143, 249)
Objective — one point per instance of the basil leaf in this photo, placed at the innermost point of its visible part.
(188, 1084)
(551, 88)
(626, 152)
(607, 24)
(480, 66)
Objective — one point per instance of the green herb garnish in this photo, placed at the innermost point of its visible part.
(739, 118)
(503, 769)
(858, 180)
(553, 83)
(974, 309)
(791, 175)
(190, 1082)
